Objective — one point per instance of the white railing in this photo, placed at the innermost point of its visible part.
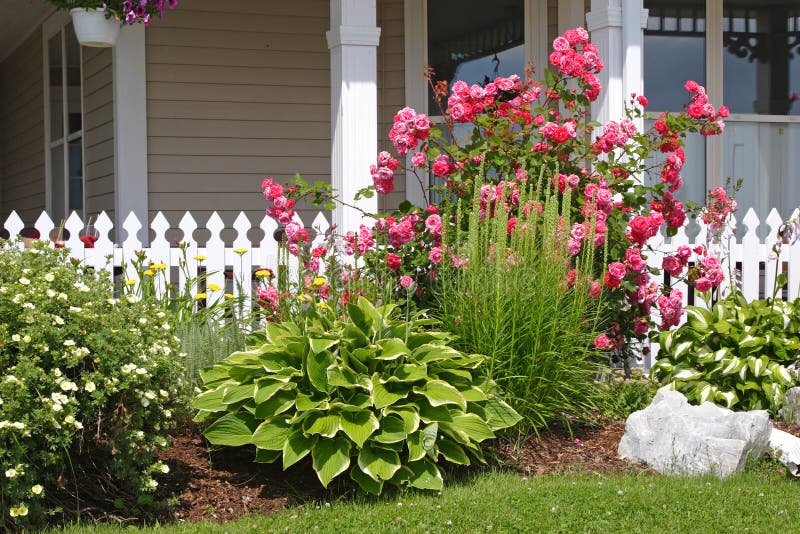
(749, 258)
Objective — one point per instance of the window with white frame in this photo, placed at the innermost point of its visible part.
(748, 56)
(64, 118)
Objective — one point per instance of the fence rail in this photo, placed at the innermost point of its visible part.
(749, 257)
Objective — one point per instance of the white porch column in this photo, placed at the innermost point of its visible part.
(353, 41)
(617, 28)
(130, 128)
(604, 22)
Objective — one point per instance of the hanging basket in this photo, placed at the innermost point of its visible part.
(93, 28)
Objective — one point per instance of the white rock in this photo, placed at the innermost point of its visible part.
(673, 436)
(785, 448)
(791, 406)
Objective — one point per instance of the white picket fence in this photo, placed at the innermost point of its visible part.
(749, 257)
(238, 261)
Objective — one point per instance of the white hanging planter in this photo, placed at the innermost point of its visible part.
(93, 28)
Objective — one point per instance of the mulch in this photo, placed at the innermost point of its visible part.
(223, 485)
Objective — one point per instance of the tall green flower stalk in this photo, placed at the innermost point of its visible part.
(512, 292)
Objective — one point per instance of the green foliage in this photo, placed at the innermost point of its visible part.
(620, 396)
(380, 398)
(738, 354)
(82, 375)
(510, 297)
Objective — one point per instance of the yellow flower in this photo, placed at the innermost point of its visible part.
(319, 281)
(304, 298)
(213, 287)
(130, 282)
(263, 273)
(229, 295)
(20, 511)
(240, 251)
(158, 266)
(200, 296)
(323, 305)
(200, 257)
(149, 272)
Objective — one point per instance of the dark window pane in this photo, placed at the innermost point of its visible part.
(674, 51)
(76, 176)
(57, 183)
(468, 42)
(56, 88)
(73, 80)
(761, 56)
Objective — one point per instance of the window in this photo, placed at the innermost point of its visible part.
(65, 181)
(755, 66)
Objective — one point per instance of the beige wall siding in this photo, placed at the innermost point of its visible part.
(391, 86)
(98, 130)
(236, 91)
(22, 131)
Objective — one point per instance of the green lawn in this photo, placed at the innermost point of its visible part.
(757, 501)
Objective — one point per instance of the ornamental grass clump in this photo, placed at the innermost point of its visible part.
(510, 290)
(89, 385)
(382, 399)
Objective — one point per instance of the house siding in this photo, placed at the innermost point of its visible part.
(391, 87)
(22, 131)
(98, 130)
(236, 91)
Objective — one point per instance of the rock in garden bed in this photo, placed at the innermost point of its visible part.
(673, 436)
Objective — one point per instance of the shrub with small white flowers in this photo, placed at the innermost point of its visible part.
(82, 374)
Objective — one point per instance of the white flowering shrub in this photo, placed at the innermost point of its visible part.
(82, 376)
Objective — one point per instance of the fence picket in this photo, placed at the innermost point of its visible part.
(215, 264)
(243, 268)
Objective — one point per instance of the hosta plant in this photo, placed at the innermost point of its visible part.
(739, 354)
(366, 393)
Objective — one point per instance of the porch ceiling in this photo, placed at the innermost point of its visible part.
(19, 18)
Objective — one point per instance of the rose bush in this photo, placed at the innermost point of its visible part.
(82, 375)
(522, 130)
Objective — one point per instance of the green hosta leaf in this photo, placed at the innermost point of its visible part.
(429, 353)
(732, 366)
(729, 398)
(425, 475)
(499, 414)
(452, 452)
(359, 426)
(341, 376)
(278, 360)
(380, 464)
(296, 447)
(416, 451)
(277, 404)
(331, 457)
(473, 394)
(365, 481)
(682, 348)
(409, 415)
(320, 344)
(246, 373)
(439, 392)
(246, 357)
(472, 425)
(698, 318)
(429, 435)
(271, 435)
(233, 430)
(210, 400)
(234, 394)
(707, 393)
(317, 369)
(264, 456)
(392, 430)
(392, 349)
(749, 385)
(780, 374)
(409, 373)
(356, 336)
(387, 394)
(276, 334)
(432, 414)
(326, 426)
(266, 388)
(213, 376)
(308, 402)
(687, 375)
